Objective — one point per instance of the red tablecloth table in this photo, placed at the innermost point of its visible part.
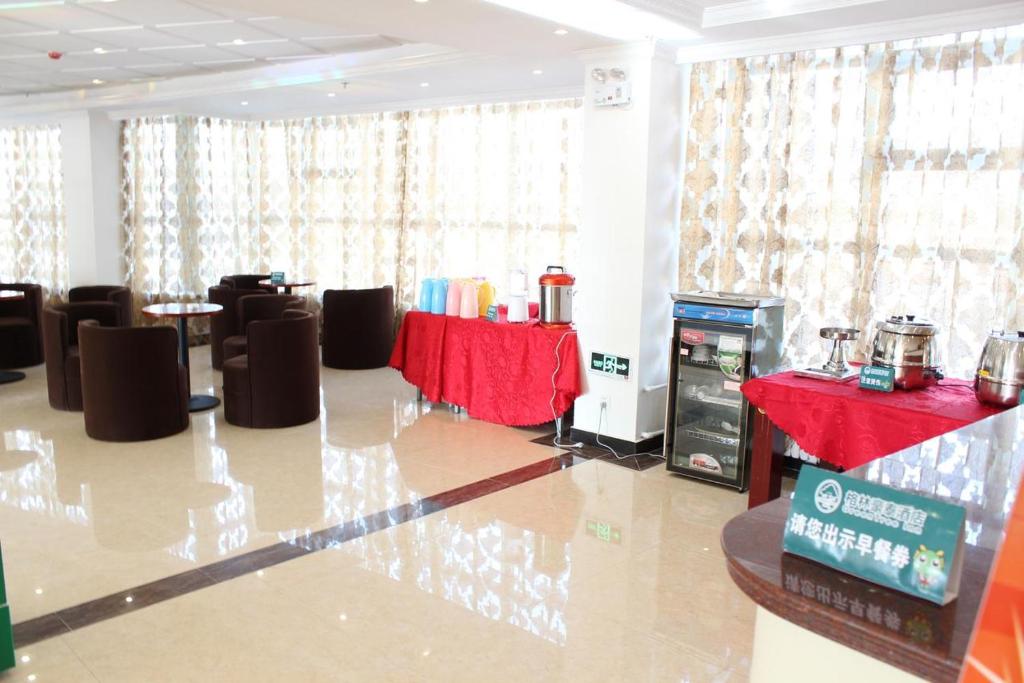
(498, 372)
(848, 426)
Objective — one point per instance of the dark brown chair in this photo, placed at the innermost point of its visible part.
(277, 384)
(249, 309)
(248, 281)
(133, 387)
(226, 324)
(60, 344)
(21, 335)
(359, 328)
(122, 296)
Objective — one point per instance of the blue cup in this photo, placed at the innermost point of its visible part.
(427, 294)
(439, 296)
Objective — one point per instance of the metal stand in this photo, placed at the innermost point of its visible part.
(7, 376)
(196, 402)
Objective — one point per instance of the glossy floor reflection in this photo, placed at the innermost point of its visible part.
(595, 572)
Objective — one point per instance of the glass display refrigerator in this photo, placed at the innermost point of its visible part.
(720, 340)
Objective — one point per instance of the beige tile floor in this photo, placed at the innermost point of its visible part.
(592, 573)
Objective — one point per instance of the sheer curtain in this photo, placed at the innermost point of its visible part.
(491, 188)
(864, 181)
(350, 201)
(32, 230)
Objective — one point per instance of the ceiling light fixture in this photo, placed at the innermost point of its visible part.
(538, 72)
(98, 50)
(424, 84)
(421, 2)
(244, 103)
(238, 41)
(332, 94)
(561, 32)
(98, 81)
(602, 17)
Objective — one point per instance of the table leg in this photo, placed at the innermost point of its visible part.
(558, 428)
(196, 402)
(419, 395)
(8, 376)
(766, 465)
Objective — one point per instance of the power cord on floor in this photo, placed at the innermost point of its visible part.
(554, 393)
(557, 441)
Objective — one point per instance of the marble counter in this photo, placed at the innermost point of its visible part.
(979, 467)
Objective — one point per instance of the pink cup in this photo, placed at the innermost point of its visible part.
(470, 305)
(454, 304)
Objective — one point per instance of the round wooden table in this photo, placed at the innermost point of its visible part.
(8, 376)
(287, 284)
(182, 312)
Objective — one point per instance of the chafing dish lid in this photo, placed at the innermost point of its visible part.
(908, 324)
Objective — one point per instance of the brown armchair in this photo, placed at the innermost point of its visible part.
(226, 324)
(120, 296)
(247, 281)
(21, 337)
(277, 384)
(359, 328)
(133, 387)
(249, 309)
(60, 346)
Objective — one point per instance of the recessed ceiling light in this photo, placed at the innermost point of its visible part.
(238, 41)
(561, 32)
(538, 72)
(98, 81)
(98, 50)
(244, 103)
(421, 2)
(332, 94)
(424, 84)
(609, 18)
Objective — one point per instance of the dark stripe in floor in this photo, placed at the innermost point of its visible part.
(79, 616)
(638, 463)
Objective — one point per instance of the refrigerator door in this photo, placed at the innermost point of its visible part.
(710, 416)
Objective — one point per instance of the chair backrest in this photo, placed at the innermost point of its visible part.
(227, 297)
(243, 281)
(60, 332)
(115, 294)
(359, 327)
(284, 368)
(30, 307)
(265, 307)
(132, 387)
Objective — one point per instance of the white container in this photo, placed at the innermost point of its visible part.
(518, 309)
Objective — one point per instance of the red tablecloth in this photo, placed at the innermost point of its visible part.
(498, 372)
(849, 426)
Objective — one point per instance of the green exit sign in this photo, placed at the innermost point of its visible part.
(607, 364)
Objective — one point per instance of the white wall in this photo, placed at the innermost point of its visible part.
(629, 239)
(91, 156)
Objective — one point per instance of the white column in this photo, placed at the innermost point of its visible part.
(630, 239)
(90, 144)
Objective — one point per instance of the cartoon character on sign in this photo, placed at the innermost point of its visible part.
(929, 567)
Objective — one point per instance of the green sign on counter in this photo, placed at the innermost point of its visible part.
(877, 378)
(893, 538)
(6, 630)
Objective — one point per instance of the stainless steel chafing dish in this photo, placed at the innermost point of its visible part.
(1000, 376)
(907, 344)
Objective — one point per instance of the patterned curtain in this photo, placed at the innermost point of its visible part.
(491, 188)
(32, 230)
(861, 182)
(350, 201)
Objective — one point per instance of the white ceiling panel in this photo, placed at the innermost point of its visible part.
(138, 37)
(190, 53)
(62, 42)
(294, 28)
(63, 17)
(9, 26)
(213, 33)
(152, 12)
(352, 43)
(166, 69)
(265, 49)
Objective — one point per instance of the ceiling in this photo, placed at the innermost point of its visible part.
(270, 57)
